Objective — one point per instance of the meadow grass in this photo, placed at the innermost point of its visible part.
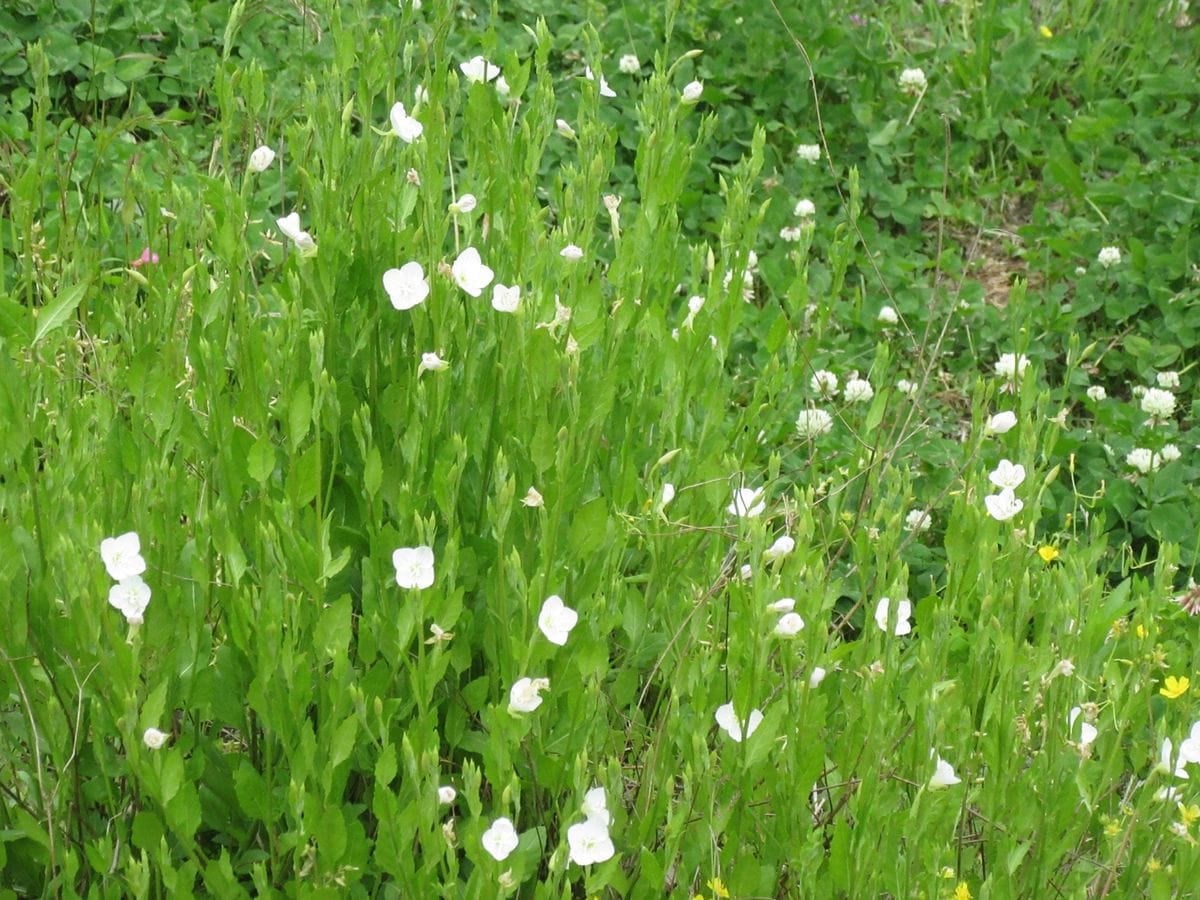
(845, 545)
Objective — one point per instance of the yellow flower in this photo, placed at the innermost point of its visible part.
(1174, 687)
(1141, 632)
(1045, 32)
(1112, 828)
(717, 886)
(1154, 865)
(1188, 814)
(1048, 553)
(962, 892)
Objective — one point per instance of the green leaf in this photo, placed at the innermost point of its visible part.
(57, 311)
(261, 461)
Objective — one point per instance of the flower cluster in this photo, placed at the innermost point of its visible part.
(122, 556)
(1003, 505)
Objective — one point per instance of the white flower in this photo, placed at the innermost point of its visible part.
(1109, 256)
(907, 388)
(464, 204)
(1000, 423)
(1087, 731)
(1007, 475)
(131, 596)
(629, 64)
(414, 567)
(816, 677)
(571, 252)
(431, 362)
(438, 634)
(1080, 270)
(562, 315)
(532, 499)
(692, 91)
(446, 794)
(805, 209)
(943, 776)
(1010, 366)
(810, 153)
(590, 842)
(153, 738)
(791, 235)
(605, 90)
(478, 69)
(888, 316)
(1063, 667)
(1096, 393)
(1138, 391)
(746, 572)
(1176, 765)
(824, 383)
(1169, 453)
(858, 390)
(782, 547)
(502, 86)
(470, 273)
(903, 615)
(501, 839)
(787, 604)
(1003, 506)
(506, 299)
(556, 620)
(526, 694)
(732, 726)
(1143, 460)
(789, 625)
(917, 520)
(1167, 379)
(122, 556)
(747, 502)
(404, 126)
(406, 286)
(1158, 403)
(261, 158)
(668, 494)
(420, 96)
(564, 128)
(912, 81)
(595, 806)
(290, 226)
(1189, 748)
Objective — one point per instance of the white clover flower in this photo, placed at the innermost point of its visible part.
(1109, 256)
(1143, 460)
(917, 520)
(912, 81)
(1080, 270)
(805, 209)
(809, 153)
(692, 91)
(1096, 393)
(824, 383)
(414, 567)
(571, 252)
(1003, 506)
(589, 842)
(131, 596)
(564, 128)
(470, 273)
(888, 316)
(816, 677)
(431, 362)
(732, 726)
(813, 422)
(943, 776)
(1000, 423)
(789, 625)
(903, 615)
(556, 620)
(464, 204)
(506, 299)
(406, 286)
(261, 159)
(446, 794)
(1167, 379)
(791, 234)
(747, 502)
(500, 839)
(1007, 475)
(122, 555)
(605, 90)
(404, 126)
(628, 64)
(478, 69)
(1011, 366)
(1158, 403)
(1138, 391)
(782, 547)
(787, 604)
(533, 499)
(1087, 731)
(907, 388)
(153, 738)
(526, 694)
(858, 390)
(1169, 453)
(289, 226)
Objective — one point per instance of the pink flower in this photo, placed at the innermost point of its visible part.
(148, 257)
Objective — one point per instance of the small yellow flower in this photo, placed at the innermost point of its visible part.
(1112, 828)
(717, 886)
(1189, 814)
(1045, 32)
(1141, 632)
(1154, 865)
(947, 872)
(1174, 687)
(1048, 553)
(962, 892)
